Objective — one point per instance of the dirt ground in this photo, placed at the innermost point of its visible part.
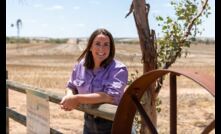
(48, 66)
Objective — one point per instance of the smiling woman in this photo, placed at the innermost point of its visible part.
(100, 49)
(96, 78)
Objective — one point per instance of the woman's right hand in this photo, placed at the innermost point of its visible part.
(69, 102)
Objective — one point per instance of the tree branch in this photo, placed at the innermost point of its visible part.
(187, 33)
(189, 27)
(131, 10)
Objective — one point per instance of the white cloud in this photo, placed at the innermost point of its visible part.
(155, 12)
(76, 7)
(61, 17)
(37, 5)
(168, 5)
(44, 25)
(94, 2)
(80, 25)
(56, 7)
(62, 29)
(30, 21)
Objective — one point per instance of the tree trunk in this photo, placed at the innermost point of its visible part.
(149, 57)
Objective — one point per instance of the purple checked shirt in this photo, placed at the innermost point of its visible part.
(111, 80)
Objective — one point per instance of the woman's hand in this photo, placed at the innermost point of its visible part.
(69, 102)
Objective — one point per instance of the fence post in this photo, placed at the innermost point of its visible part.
(7, 118)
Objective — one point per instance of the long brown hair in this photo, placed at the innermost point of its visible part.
(89, 61)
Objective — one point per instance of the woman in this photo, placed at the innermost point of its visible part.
(96, 78)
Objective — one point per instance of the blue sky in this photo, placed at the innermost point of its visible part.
(79, 18)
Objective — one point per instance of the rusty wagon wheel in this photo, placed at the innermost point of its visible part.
(131, 100)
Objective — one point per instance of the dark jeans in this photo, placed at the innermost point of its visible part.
(96, 125)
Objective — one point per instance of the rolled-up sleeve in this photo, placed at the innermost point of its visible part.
(116, 84)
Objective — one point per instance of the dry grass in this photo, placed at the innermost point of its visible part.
(48, 66)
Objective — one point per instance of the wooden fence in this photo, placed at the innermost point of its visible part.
(106, 111)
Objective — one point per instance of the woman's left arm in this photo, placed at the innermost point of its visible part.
(71, 102)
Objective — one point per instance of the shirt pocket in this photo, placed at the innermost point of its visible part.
(82, 86)
(78, 82)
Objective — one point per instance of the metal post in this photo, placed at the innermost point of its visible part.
(7, 118)
(173, 104)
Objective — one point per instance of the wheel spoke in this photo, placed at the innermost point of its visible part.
(144, 115)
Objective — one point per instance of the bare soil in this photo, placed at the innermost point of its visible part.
(48, 66)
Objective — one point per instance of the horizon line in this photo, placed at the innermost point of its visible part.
(207, 37)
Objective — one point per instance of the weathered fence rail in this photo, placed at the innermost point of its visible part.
(106, 111)
(22, 119)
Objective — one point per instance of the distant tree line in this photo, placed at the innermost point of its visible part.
(56, 41)
(204, 41)
(11, 40)
(126, 41)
